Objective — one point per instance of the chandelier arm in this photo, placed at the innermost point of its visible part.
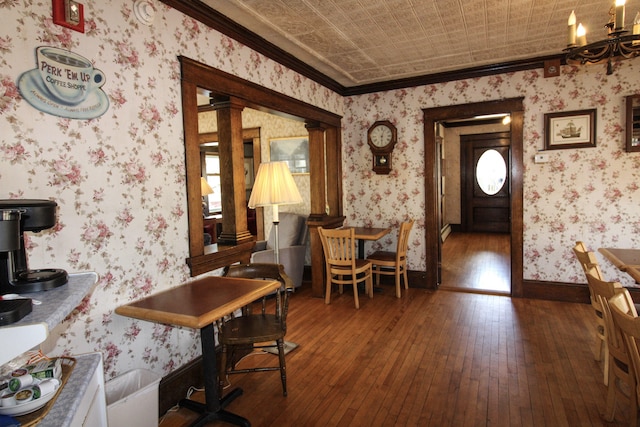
(588, 53)
(627, 49)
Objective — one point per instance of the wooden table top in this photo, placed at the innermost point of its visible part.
(367, 233)
(199, 303)
(627, 260)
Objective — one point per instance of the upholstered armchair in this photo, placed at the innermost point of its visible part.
(292, 240)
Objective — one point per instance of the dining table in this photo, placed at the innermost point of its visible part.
(198, 304)
(626, 260)
(368, 233)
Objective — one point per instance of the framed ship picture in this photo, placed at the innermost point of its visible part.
(570, 129)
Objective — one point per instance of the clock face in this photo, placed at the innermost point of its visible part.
(381, 136)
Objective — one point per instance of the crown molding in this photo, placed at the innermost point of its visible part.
(217, 21)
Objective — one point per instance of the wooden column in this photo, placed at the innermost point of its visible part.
(317, 170)
(231, 151)
(320, 203)
(333, 152)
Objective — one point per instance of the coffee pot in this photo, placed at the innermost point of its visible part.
(16, 217)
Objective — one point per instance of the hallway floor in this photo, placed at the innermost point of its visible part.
(477, 262)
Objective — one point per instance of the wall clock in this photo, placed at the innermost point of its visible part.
(382, 137)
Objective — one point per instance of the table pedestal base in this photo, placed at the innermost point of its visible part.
(221, 414)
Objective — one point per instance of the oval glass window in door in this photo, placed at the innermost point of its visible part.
(491, 172)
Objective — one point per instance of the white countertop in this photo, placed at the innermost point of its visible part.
(57, 303)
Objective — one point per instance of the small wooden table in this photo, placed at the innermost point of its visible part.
(627, 260)
(198, 305)
(366, 233)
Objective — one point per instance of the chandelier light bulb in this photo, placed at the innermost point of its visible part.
(572, 29)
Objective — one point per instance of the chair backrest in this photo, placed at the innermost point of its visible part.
(403, 240)
(587, 259)
(266, 271)
(603, 292)
(339, 245)
(627, 324)
(292, 231)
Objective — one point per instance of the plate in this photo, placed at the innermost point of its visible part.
(25, 408)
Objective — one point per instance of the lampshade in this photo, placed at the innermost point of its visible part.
(274, 185)
(205, 188)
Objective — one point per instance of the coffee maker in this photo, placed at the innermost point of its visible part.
(16, 217)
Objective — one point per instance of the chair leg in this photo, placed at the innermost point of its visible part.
(610, 411)
(283, 367)
(222, 374)
(327, 294)
(406, 279)
(633, 412)
(369, 286)
(605, 365)
(398, 294)
(598, 348)
(355, 291)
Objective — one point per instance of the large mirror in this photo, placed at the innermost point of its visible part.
(230, 96)
(633, 123)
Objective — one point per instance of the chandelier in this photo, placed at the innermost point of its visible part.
(619, 42)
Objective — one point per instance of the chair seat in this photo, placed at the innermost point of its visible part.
(252, 329)
(383, 256)
(362, 266)
(393, 262)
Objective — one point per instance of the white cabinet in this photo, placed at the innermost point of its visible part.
(81, 401)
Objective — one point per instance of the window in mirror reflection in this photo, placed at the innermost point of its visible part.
(212, 162)
(211, 172)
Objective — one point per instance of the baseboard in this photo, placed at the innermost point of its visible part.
(566, 292)
(444, 233)
(555, 291)
(174, 386)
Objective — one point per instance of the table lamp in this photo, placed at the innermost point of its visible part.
(205, 190)
(274, 186)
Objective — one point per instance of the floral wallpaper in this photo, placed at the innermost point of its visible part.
(586, 194)
(119, 179)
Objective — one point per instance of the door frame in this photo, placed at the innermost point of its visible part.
(433, 242)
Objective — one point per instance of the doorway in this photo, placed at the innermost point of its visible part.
(433, 219)
(484, 182)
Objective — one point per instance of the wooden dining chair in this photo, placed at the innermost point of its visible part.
(256, 331)
(622, 323)
(342, 265)
(616, 360)
(393, 263)
(589, 262)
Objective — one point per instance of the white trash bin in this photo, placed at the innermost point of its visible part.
(132, 399)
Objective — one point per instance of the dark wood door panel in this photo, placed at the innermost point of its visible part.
(482, 212)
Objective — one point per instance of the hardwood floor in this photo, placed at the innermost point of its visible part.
(431, 358)
(477, 262)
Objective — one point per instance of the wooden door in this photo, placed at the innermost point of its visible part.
(485, 207)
